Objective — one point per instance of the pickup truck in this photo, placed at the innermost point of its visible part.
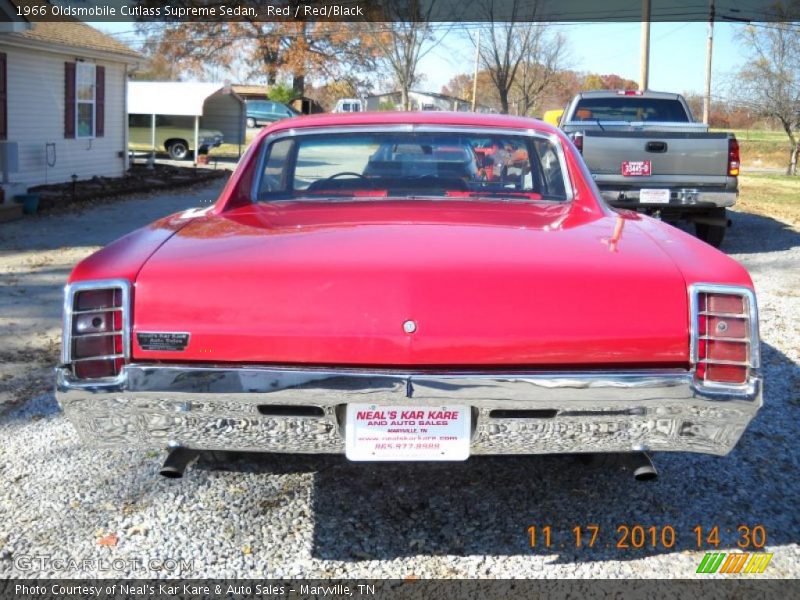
(646, 153)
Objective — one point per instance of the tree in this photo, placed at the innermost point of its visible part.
(460, 86)
(404, 42)
(268, 50)
(517, 41)
(538, 72)
(329, 93)
(595, 81)
(769, 83)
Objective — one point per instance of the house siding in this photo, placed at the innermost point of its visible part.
(36, 118)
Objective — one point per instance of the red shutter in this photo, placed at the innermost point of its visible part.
(100, 101)
(3, 98)
(69, 100)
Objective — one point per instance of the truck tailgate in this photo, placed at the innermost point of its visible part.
(696, 158)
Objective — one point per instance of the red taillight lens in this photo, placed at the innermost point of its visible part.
(733, 157)
(96, 333)
(577, 139)
(725, 337)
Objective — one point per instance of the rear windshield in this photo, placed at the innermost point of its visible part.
(630, 108)
(412, 164)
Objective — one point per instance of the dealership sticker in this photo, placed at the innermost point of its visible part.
(162, 341)
(377, 432)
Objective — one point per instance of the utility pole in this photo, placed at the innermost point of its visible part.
(644, 68)
(475, 74)
(709, 48)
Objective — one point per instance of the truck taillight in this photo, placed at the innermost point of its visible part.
(733, 157)
(577, 139)
(724, 343)
(629, 92)
(96, 328)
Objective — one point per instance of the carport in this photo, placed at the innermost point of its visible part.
(212, 105)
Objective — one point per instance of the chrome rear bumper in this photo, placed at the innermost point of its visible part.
(302, 410)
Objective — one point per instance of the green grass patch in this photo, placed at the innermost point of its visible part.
(776, 196)
(232, 150)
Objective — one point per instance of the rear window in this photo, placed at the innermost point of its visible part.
(412, 164)
(630, 108)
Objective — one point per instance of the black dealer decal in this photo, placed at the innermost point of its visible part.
(166, 342)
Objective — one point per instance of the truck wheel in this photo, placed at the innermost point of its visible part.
(710, 234)
(251, 122)
(178, 150)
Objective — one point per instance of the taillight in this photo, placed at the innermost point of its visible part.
(733, 157)
(577, 139)
(96, 328)
(725, 345)
(629, 92)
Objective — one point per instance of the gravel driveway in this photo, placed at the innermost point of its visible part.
(278, 516)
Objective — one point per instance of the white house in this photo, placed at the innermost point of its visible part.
(63, 101)
(419, 101)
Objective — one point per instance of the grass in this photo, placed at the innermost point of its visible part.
(761, 148)
(232, 150)
(776, 196)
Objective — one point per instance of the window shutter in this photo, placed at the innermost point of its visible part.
(100, 101)
(69, 100)
(3, 98)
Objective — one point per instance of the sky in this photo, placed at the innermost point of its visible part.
(677, 53)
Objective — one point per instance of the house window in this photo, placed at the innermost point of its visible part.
(85, 78)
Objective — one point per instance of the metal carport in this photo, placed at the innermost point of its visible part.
(212, 105)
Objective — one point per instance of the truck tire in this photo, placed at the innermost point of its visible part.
(711, 234)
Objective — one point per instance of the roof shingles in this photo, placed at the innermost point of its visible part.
(76, 34)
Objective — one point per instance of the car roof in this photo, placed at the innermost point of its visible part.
(464, 119)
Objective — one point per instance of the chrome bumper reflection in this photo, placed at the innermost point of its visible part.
(302, 410)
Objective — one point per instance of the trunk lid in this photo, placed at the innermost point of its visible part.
(676, 158)
(486, 284)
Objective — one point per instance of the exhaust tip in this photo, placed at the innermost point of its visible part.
(643, 467)
(645, 473)
(176, 462)
(171, 473)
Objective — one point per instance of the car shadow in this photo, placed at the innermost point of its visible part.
(487, 505)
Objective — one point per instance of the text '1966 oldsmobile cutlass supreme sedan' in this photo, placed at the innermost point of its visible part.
(401, 286)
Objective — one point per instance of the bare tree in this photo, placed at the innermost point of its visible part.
(516, 46)
(539, 70)
(405, 41)
(401, 49)
(770, 81)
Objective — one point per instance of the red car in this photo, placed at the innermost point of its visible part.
(360, 288)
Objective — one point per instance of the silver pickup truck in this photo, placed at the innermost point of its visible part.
(647, 154)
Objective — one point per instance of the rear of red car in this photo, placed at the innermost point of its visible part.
(408, 307)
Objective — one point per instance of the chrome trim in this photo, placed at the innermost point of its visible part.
(70, 290)
(216, 407)
(100, 357)
(94, 311)
(751, 313)
(408, 128)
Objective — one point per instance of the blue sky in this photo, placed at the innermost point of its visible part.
(677, 53)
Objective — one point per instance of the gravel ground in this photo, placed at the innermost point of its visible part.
(278, 516)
